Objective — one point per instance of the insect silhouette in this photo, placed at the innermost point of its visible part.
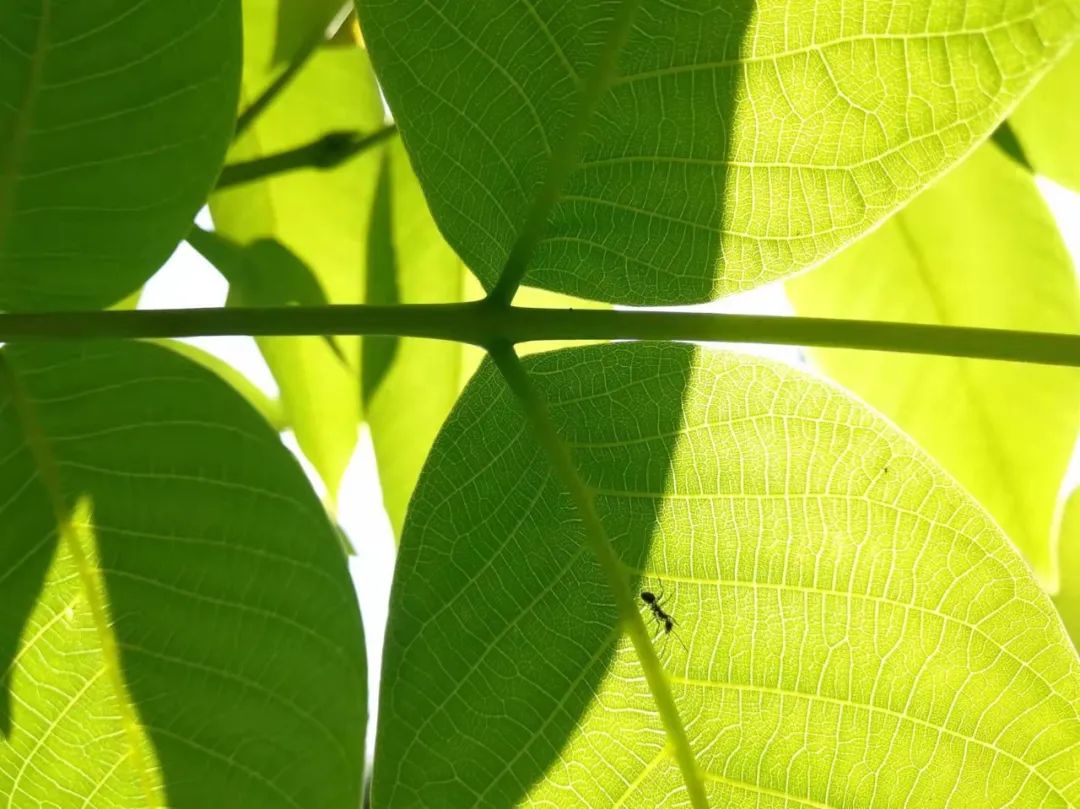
(662, 617)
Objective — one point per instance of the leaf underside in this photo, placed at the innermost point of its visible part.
(953, 257)
(852, 630)
(192, 638)
(101, 169)
(739, 142)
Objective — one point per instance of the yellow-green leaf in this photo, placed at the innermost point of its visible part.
(978, 249)
(1067, 598)
(738, 141)
(321, 218)
(852, 629)
(1047, 123)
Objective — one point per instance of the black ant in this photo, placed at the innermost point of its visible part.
(663, 619)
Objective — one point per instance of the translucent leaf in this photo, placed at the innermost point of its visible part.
(1068, 594)
(409, 385)
(739, 141)
(114, 118)
(978, 249)
(321, 219)
(852, 629)
(178, 627)
(1047, 123)
(275, 33)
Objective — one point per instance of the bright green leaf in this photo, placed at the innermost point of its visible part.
(1047, 123)
(179, 627)
(1068, 594)
(321, 218)
(978, 249)
(739, 141)
(114, 118)
(276, 32)
(853, 630)
(409, 385)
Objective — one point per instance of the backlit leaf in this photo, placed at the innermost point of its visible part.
(409, 385)
(178, 627)
(1067, 599)
(1047, 123)
(853, 630)
(978, 249)
(739, 142)
(321, 218)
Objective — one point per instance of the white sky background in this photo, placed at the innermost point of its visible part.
(188, 281)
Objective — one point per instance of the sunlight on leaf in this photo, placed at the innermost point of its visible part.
(852, 629)
(740, 141)
(954, 257)
(114, 118)
(1047, 123)
(54, 703)
(409, 385)
(1068, 595)
(206, 642)
(321, 218)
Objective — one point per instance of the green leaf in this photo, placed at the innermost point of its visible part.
(1047, 123)
(114, 118)
(409, 385)
(1067, 599)
(268, 408)
(738, 143)
(178, 620)
(954, 257)
(321, 218)
(852, 629)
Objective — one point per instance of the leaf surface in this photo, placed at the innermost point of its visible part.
(114, 118)
(978, 249)
(852, 629)
(1067, 599)
(179, 627)
(1047, 123)
(739, 142)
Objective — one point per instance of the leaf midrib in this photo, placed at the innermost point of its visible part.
(25, 113)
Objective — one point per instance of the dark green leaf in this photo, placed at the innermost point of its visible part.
(179, 627)
(114, 118)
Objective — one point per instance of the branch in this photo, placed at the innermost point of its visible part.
(283, 80)
(483, 322)
(329, 151)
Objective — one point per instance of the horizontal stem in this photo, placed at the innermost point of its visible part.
(481, 323)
